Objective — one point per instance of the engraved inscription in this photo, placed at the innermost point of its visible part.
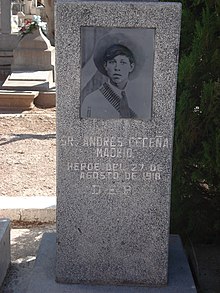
(118, 142)
(114, 171)
(97, 190)
(114, 153)
(93, 141)
(115, 148)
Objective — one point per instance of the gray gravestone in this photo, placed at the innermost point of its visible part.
(114, 157)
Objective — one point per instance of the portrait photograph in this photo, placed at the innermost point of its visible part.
(116, 73)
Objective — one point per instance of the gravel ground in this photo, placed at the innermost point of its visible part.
(28, 139)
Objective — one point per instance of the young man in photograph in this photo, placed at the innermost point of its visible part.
(114, 58)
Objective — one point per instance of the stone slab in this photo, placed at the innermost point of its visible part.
(28, 209)
(43, 277)
(23, 100)
(27, 202)
(113, 174)
(5, 59)
(5, 70)
(31, 80)
(9, 41)
(47, 215)
(5, 251)
(31, 75)
(6, 53)
(28, 85)
(46, 99)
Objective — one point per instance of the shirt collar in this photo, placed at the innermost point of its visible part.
(115, 89)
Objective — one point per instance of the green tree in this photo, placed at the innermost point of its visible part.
(196, 163)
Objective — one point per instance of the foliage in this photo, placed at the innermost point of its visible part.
(196, 164)
(32, 24)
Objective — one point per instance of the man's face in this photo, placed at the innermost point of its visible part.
(118, 69)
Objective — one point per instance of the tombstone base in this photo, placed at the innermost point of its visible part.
(46, 99)
(29, 81)
(22, 100)
(43, 276)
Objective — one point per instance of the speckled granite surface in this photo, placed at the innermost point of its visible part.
(114, 176)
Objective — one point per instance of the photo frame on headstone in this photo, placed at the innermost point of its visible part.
(116, 65)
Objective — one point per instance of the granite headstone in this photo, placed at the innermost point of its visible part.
(114, 159)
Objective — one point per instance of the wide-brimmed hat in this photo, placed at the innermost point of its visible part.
(111, 39)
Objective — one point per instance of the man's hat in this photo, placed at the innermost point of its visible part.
(111, 39)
